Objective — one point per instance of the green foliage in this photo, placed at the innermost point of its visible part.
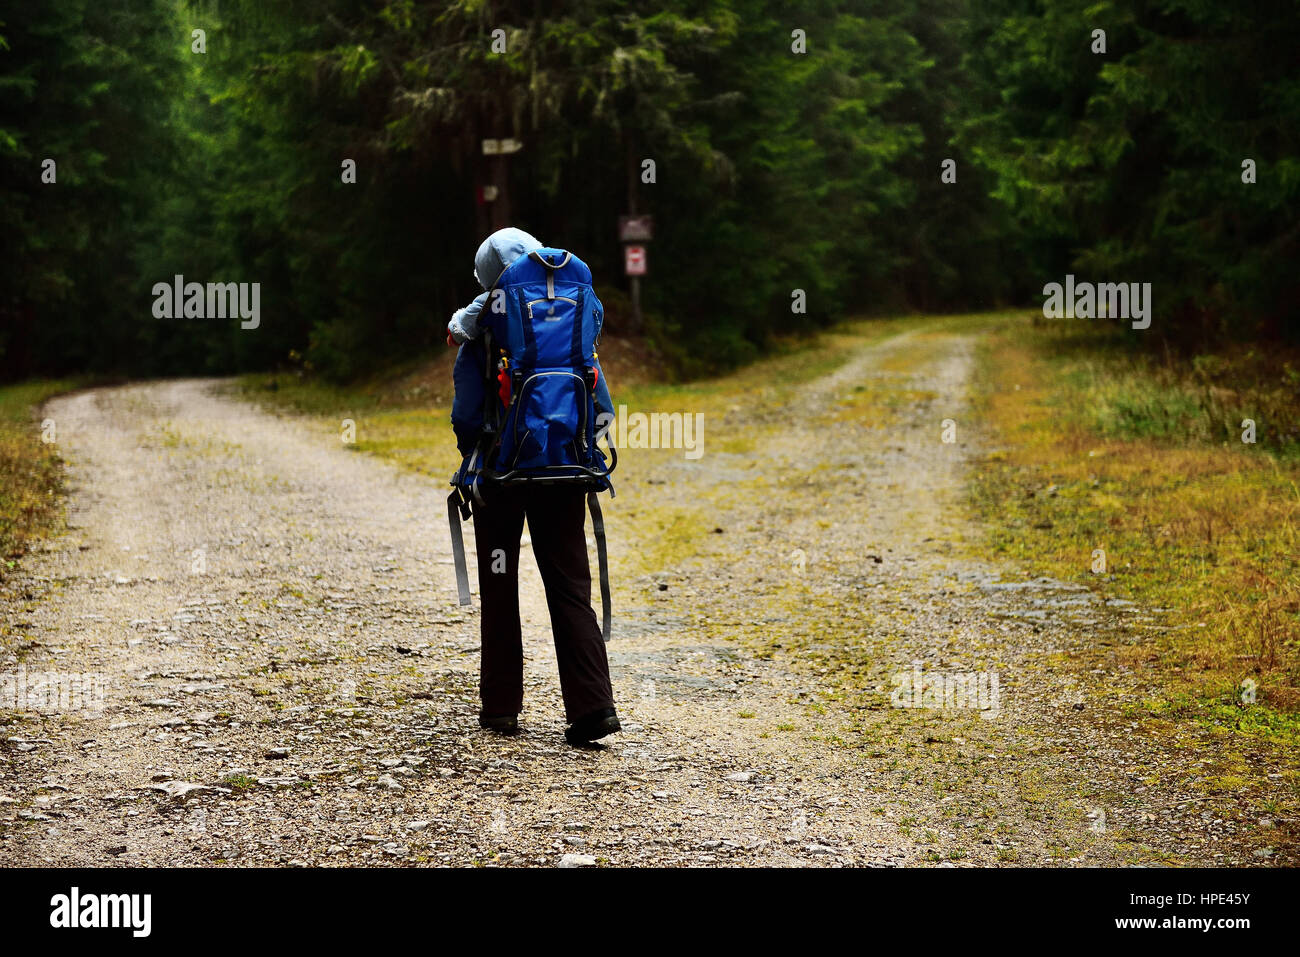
(87, 85)
(776, 170)
(1128, 164)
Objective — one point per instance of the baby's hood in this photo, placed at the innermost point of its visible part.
(498, 251)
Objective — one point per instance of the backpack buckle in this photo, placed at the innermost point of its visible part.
(461, 502)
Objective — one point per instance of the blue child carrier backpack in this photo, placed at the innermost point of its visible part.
(541, 324)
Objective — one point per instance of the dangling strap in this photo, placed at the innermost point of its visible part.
(455, 509)
(602, 557)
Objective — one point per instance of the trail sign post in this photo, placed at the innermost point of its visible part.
(494, 183)
(633, 230)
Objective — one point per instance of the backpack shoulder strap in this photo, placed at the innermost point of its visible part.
(490, 423)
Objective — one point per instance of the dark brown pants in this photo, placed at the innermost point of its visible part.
(556, 522)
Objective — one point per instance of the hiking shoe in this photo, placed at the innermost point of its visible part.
(499, 724)
(592, 726)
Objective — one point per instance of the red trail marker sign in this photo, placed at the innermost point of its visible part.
(634, 260)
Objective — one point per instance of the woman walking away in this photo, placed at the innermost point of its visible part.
(531, 477)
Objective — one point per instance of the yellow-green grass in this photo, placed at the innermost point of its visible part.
(1094, 448)
(406, 416)
(29, 469)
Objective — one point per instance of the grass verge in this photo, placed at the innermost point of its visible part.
(30, 479)
(1128, 473)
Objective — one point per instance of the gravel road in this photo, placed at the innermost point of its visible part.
(288, 679)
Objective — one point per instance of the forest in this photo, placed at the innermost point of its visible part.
(801, 161)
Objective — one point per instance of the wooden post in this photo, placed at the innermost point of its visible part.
(500, 178)
(633, 170)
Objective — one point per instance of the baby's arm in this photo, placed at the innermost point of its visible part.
(464, 322)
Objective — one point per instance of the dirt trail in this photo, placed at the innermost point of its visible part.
(290, 680)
